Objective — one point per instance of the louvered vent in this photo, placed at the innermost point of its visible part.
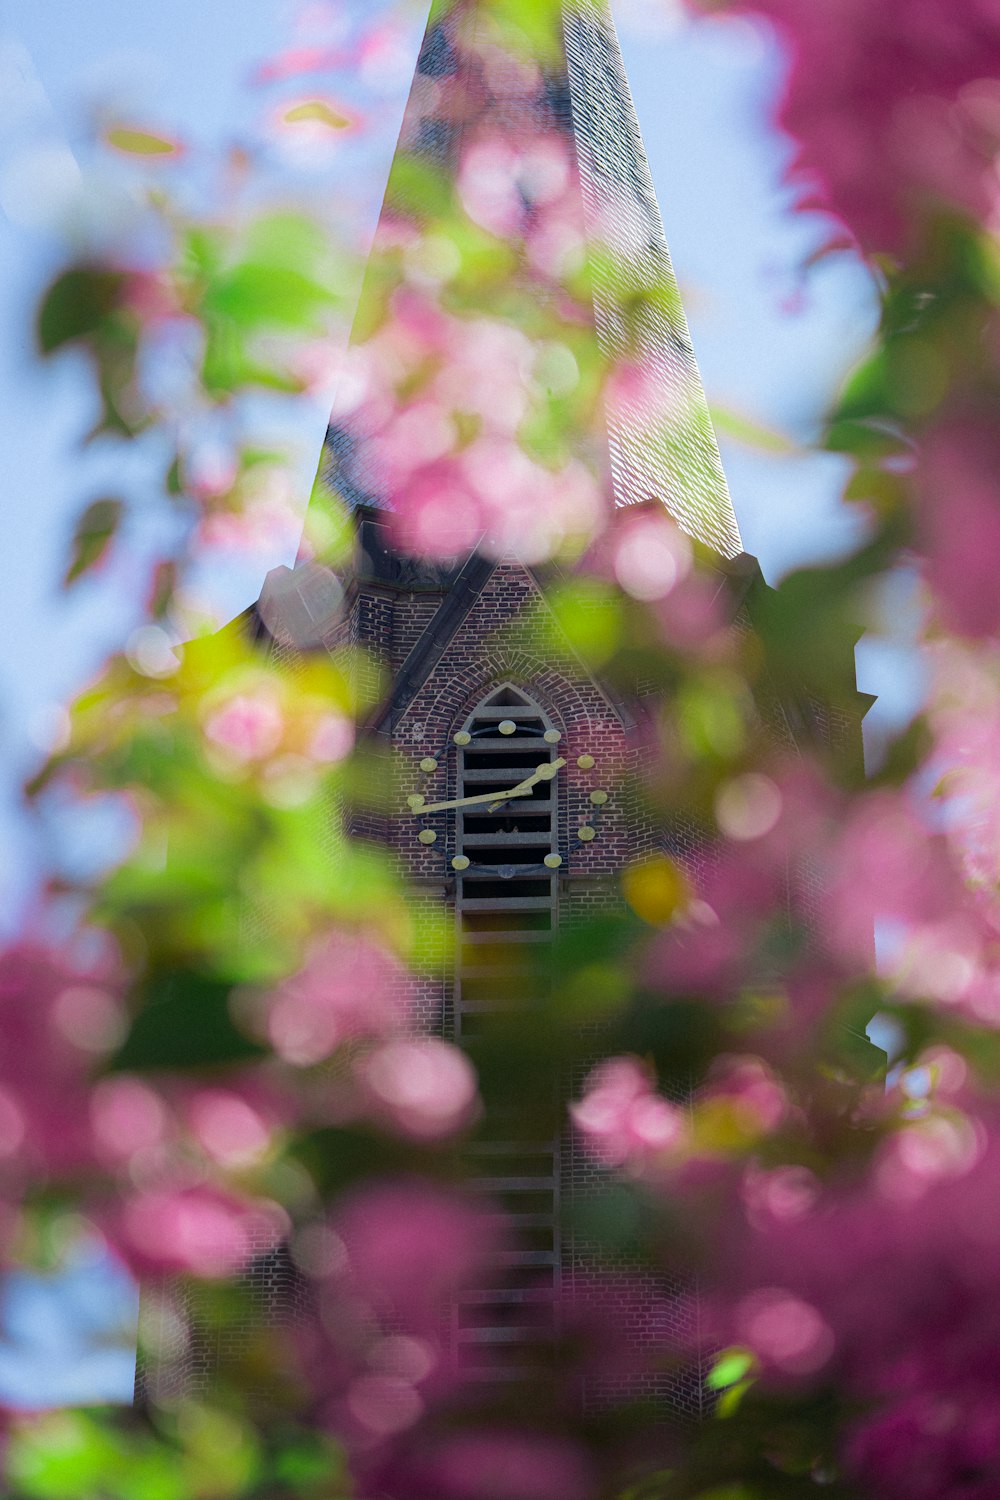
(506, 904)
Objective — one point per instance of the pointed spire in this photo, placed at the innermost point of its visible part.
(661, 436)
(569, 86)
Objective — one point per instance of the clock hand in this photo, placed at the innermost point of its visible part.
(544, 773)
(494, 797)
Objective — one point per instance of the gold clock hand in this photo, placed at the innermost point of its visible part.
(496, 797)
(544, 773)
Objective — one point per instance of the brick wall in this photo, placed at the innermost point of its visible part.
(497, 643)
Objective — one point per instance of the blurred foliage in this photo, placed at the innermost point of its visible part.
(212, 1061)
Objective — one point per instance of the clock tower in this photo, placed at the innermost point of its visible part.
(508, 759)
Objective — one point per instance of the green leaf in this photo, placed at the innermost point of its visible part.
(586, 614)
(141, 142)
(320, 112)
(95, 531)
(184, 1023)
(811, 622)
(532, 28)
(418, 189)
(867, 391)
(872, 438)
(255, 294)
(750, 433)
(62, 1455)
(730, 1368)
(162, 591)
(309, 1464)
(76, 304)
(730, 1400)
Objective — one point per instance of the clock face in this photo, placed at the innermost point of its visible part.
(505, 794)
(494, 798)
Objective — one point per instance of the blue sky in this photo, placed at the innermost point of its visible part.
(702, 93)
(68, 1337)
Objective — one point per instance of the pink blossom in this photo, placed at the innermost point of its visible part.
(781, 1194)
(885, 865)
(297, 60)
(418, 434)
(503, 182)
(711, 944)
(56, 1023)
(248, 726)
(144, 1130)
(958, 514)
(130, 1121)
(118, 1141)
(351, 987)
(198, 1230)
(438, 514)
(412, 1248)
(333, 738)
(436, 404)
(652, 555)
(557, 245)
(228, 1128)
(893, 109)
(939, 1145)
(964, 714)
(386, 1271)
(894, 1297)
(939, 1441)
(692, 619)
(784, 1332)
(383, 1405)
(149, 294)
(487, 374)
(423, 1087)
(623, 1121)
(489, 187)
(750, 1091)
(502, 1465)
(211, 471)
(268, 525)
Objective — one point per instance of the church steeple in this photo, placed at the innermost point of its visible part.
(662, 440)
(520, 353)
(564, 84)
